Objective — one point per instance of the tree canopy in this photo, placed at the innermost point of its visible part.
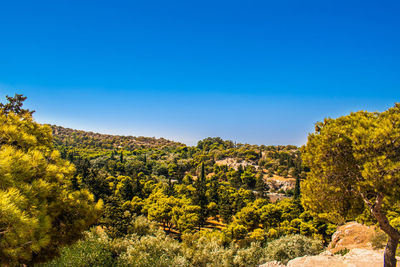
(39, 212)
(354, 164)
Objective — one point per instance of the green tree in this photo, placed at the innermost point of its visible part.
(200, 197)
(355, 163)
(249, 217)
(160, 208)
(39, 211)
(14, 105)
(126, 187)
(248, 178)
(296, 194)
(185, 215)
(261, 186)
(121, 157)
(270, 215)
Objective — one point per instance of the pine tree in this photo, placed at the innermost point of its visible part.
(39, 211)
(354, 164)
(14, 105)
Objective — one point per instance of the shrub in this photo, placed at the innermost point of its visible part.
(254, 255)
(159, 250)
(94, 250)
(209, 252)
(379, 239)
(342, 252)
(292, 246)
(141, 226)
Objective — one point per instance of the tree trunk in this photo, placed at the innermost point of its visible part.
(389, 257)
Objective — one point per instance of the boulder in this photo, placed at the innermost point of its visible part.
(352, 235)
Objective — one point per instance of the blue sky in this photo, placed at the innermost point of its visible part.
(260, 72)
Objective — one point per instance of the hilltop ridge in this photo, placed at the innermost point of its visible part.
(92, 140)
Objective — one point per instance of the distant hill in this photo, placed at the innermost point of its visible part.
(90, 140)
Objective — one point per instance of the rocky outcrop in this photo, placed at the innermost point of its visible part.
(235, 163)
(280, 183)
(352, 235)
(355, 258)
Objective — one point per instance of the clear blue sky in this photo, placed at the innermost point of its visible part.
(260, 72)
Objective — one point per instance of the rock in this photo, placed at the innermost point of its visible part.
(317, 261)
(233, 163)
(272, 264)
(355, 258)
(326, 253)
(280, 183)
(352, 235)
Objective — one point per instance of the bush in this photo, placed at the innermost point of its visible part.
(379, 239)
(146, 251)
(141, 226)
(254, 255)
(342, 252)
(208, 251)
(94, 250)
(292, 246)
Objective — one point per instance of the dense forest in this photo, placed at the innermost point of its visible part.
(76, 198)
(236, 195)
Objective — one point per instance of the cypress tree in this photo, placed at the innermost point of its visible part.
(297, 189)
(200, 197)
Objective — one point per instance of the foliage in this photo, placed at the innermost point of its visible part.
(155, 248)
(159, 250)
(96, 142)
(14, 105)
(93, 250)
(39, 211)
(355, 162)
(379, 239)
(292, 246)
(211, 200)
(342, 252)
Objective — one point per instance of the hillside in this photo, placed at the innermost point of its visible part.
(90, 140)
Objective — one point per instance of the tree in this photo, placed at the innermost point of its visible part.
(14, 105)
(226, 202)
(121, 157)
(261, 186)
(296, 194)
(185, 215)
(39, 211)
(354, 164)
(161, 207)
(127, 187)
(249, 217)
(200, 197)
(248, 178)
(270, 215)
